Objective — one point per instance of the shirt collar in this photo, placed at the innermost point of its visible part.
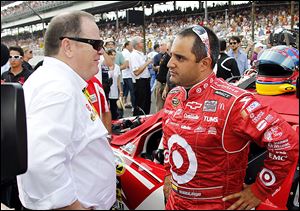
(61, 66)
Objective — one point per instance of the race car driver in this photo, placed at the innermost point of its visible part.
(208, 125)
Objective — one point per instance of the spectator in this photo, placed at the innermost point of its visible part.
(128, 78)
(139, 66)
(28, 54)
(153, 72)
(207, 126)
(226, 65)
(238, 54)
(67, 142)
(16, 72)
(116, 90)
(161, 77)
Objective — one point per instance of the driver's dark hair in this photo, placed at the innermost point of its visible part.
(198, 48)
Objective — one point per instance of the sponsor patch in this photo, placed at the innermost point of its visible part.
(223, 94)
(200, 130)
(244, 114)
(178, 112)
(93, 98)
(210, 119)
(88, 107)
(221, 106)
(185, 127)
(194, 105)
(261, 125)
(191, 116)
(212, 131)
(277, 157)
(273, 133)
(210, 106)
(167, 111)
(253, 106)
(175, 101)
(256, 118)
(279, 145)
(267, 177)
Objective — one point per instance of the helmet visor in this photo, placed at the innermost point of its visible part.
(274, 57)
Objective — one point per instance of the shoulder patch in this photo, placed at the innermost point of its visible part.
(223, 94)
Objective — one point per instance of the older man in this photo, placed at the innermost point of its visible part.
(139, 66)
(70, 162)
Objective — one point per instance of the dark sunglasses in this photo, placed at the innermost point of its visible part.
(97, 44)
(233, 43)
(15, 57)
(202, 34)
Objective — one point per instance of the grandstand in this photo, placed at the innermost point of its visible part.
(25, 27)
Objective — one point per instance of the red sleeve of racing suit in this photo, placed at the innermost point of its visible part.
(166, 112)
(250, 119)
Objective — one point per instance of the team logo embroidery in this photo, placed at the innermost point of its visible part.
(210, 106)
(175, 101)
(194, 105)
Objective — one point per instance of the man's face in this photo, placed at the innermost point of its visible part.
(110, 45)
(86, 58)
(15, 59)
(184, 70)
(28, 54)
(234, 44)
(163, 47)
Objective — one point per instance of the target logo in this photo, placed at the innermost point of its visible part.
(182, 159)
(267, 177)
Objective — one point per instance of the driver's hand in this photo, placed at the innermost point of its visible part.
(167, 186)
(246, 200)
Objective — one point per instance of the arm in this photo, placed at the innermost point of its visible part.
(107, 59)
(268, 129)
(120, 86)
(106, 119)
(234, 67)
(139, 70)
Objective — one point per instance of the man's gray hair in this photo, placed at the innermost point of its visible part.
(136, 40)
(66, 24)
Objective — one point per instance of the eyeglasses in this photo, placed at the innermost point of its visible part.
(233, 43)
(202, 34)
(15, 57)
(97, 44)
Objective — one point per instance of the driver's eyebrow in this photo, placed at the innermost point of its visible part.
(179, 55)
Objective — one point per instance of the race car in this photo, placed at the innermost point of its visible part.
(139, 157)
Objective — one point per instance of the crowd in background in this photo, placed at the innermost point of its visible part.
(160, 30)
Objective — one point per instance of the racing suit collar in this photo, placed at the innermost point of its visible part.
(199, 88)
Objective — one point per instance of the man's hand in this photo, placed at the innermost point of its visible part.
(167, 186)
(246, 199)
